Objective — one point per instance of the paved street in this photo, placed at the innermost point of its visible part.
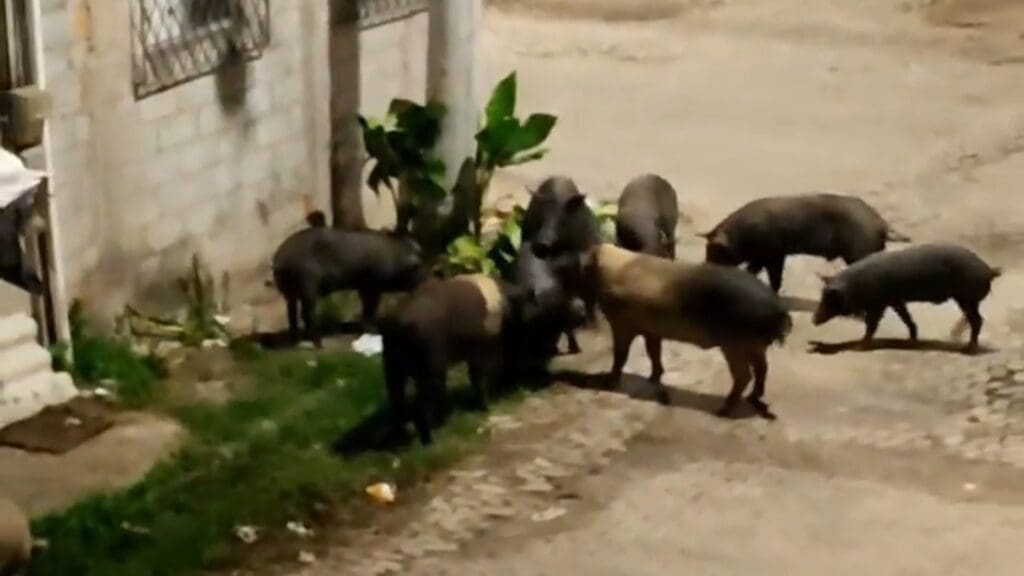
(894, 461)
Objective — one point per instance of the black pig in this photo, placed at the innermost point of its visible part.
(764, 232)
(318, 261)
(558, 222)
(707, 305)
(931, 273)
(463, 319)
(647, 217)
(547, 284)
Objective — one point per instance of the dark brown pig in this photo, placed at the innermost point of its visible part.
(318, 261)
(559, 223)
(933, 273)
(707, 305)
(764, 232)
(549, 284)
(463, 319)
(647, 217)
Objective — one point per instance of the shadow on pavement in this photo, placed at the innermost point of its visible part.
(830, 348)
(639, 388)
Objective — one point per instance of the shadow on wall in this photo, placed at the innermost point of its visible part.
(231, 80)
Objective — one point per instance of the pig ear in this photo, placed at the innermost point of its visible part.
(531, 190)
(577, 201)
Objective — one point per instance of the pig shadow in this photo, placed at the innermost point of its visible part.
(639, 388)
(279, 340)
(375, 433)
(921, 345)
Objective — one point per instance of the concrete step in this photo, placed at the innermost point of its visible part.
(23, 360)
(17, 329)
(27, 396)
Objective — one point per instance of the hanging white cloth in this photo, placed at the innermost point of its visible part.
(15, 179)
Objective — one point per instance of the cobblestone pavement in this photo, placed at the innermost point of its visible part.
(907, 460)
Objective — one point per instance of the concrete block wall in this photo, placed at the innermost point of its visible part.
(393, 63)
(219, 165)
(143, 184)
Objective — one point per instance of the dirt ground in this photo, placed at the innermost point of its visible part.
(893, 461)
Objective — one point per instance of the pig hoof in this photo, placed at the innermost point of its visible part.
(762, 408)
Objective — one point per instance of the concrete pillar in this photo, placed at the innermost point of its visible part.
(453, 76)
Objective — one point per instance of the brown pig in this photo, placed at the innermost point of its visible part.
(706, 305)
(471, 318)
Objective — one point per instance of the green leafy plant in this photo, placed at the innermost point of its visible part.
(605, 213)
(491, 255)
(200, 323)
(505, 140)
(402, 148)
(110, 361)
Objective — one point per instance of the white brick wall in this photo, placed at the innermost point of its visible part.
(143, 184)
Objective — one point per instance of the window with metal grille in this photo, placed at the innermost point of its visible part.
(175, 41)
(378, 12)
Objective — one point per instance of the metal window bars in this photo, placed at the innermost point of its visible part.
(374, 13)
(175, 41)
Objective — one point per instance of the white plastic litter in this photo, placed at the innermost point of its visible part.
(369, 345)
(299, 529)
(548, 515)
(246, 534)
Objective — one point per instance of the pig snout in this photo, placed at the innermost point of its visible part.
(829, 306)
(544, 244)
(718, 252)
(576, 313)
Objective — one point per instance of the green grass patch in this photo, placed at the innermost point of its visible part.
(107, 360)
(261, 459)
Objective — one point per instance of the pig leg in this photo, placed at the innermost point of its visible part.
(657, 370)
(395, 377)
(419, 412)
(908, 320)
(739, 368)
(759, 365)
(574, 346)
(621, 341)
(293, 319)
(308, 304)
(973, 315)
(775, 268)
(871, 321)
(479, 376)
(370, 300)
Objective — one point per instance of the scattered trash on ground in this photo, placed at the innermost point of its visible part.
(381, 492)
(970, 486)
(548, 515)
(307, 557)
(133, 529)
(73, 422)
(368, 345)
(299, 529)
(246, 534)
